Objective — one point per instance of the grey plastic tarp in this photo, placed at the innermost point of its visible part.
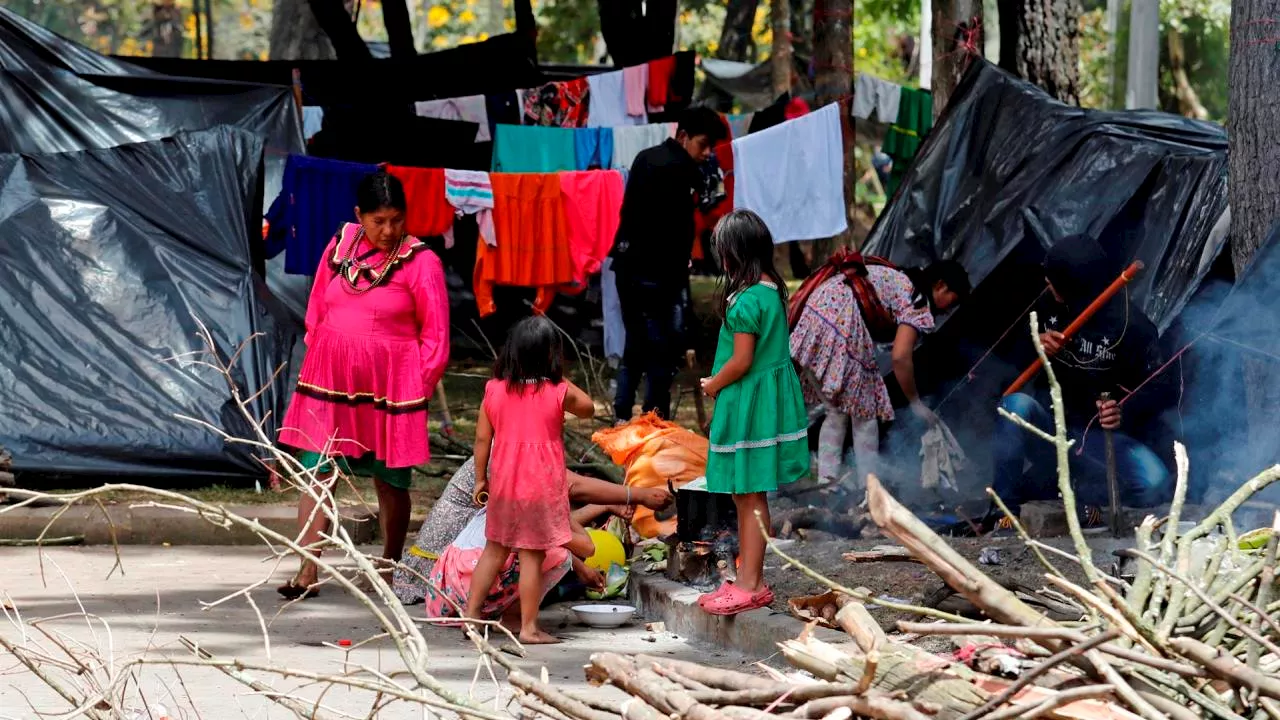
(109, 261)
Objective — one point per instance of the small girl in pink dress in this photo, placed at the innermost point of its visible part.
(520, 468)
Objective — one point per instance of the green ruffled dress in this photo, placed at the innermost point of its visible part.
(759, 432)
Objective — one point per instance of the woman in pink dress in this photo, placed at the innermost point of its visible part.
(520, 468)
(377, 344)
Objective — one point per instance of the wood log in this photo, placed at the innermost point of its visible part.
(664, 695)
(881, 553)
(711, 677)
(856, 620)
(900, 668)
(1225, 667)
(872, 705)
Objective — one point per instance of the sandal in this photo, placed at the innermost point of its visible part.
(705, 597)
(735, 600)
(294, 591)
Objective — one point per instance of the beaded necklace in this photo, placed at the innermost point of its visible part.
(375, 278)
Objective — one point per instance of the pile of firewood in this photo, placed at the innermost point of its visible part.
(1190, 630)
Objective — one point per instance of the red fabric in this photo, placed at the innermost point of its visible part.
(853, 265)
(429, 213)
(660, 72)
(796, 108)
(592, 206)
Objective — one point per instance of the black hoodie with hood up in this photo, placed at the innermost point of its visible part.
(1115, 351)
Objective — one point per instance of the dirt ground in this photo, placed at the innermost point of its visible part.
(907, 582)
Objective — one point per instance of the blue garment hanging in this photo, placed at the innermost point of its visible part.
(316, 196)
(593, 148)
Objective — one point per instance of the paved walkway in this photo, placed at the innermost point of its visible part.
(158, 599)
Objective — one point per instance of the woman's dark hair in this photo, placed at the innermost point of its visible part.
(950, 272)
(379, 191)
(533, 354)
(744, 247)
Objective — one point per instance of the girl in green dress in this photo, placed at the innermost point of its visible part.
(759, 432)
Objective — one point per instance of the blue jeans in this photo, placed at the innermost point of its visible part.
(653, 316)
(1142, 477)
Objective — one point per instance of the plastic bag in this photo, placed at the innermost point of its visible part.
(615, 583)
(654, 452)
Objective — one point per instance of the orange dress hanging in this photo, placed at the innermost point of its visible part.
(532, 236)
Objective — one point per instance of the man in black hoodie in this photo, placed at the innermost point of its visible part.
(651, 258)
(1112, 355)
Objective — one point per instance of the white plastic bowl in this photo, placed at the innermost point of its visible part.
(603, 616)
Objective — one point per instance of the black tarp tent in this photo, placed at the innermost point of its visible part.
(1007, 172)
(110, 260)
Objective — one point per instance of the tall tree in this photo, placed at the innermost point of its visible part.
(736, 39)
(295, 33)
(334, 18)
(395, 17)
(833, 76)
(780, 54)
(1253, 187)
(957, 39)
(1040, 42)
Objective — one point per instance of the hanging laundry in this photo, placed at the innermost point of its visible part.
(316, 196)
(773, 115)
(521, 148)
(532, 237)
(902, 141)
(470, 191)
(312, 121)
(635, 81)
(558, 104)
(792, 176)
(608, 101)
(615, 333)
(740, 124)
(873, 95)
(593, 148)
(503, 109)
(592, 204)
(629, 141)
(429, 214)
(471, 108)
(660, 72)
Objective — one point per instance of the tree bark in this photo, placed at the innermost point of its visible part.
(332, 17)
(833, 82)
(295, 34)
(1040, 43)
(736, 42)
(780, 55)
(1253, 186)
(395, 18)
(1188, 101)
(957, 39)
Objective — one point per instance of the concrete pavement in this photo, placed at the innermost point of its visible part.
(158, 597)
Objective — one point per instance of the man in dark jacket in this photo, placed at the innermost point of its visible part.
(651, 258)
(1099, 369)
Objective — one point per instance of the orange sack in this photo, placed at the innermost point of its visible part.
(654, 451)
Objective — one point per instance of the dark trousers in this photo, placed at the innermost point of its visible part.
(1143, 478)
(653, 316)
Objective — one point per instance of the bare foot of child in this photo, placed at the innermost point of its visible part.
(538, 637)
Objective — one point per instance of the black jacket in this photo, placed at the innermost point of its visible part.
(655, 235)
(1114, 352)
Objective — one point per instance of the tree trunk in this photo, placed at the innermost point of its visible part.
(166, 29)
(1188, 101)
(833, 69)
(1040, 43)
(780, 55)
(1253, 186)
(295, 34)
(635, 32)
(957, 39)
(736, 42)
(801, 29)
(332, 17)
(395, 18)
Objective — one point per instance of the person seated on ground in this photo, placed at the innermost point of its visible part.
(1114, 353)
(837, 318)
(455, 510)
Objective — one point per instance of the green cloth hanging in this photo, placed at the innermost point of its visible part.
(902, 142)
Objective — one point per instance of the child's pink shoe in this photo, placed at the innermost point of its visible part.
(734, 600)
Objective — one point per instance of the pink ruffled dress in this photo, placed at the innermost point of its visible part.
(528, 506)
(377, 345)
